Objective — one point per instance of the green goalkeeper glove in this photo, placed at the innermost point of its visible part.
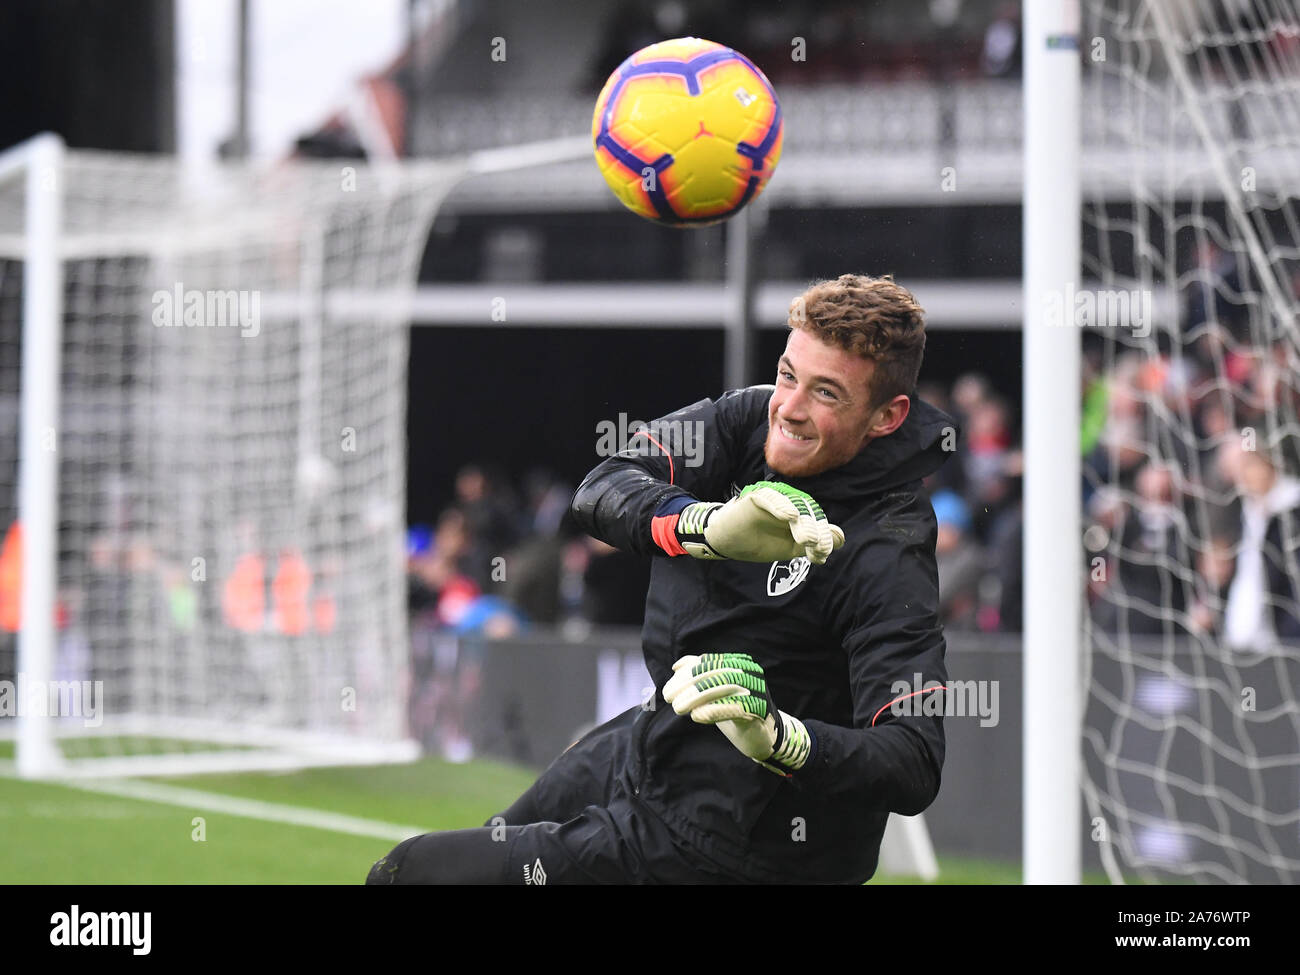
(729, 690)
(767, 522)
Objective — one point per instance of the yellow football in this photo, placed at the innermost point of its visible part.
(687, 132)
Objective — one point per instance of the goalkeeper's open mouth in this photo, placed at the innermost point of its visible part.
(790, 453)
(791, 437)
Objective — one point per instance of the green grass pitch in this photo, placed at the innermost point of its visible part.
(58, 834)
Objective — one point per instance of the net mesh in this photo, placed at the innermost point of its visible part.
(1191, 122)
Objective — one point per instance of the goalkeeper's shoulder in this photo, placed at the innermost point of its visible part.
(745, 409)
(726, 423)
(732, 430)
(696, 452)
(749, 397)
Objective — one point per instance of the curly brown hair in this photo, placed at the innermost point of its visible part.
(870, 317)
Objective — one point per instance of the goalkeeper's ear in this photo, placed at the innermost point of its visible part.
(887, 418)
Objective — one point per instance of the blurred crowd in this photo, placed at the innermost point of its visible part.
(497, 562)
(1191, 463)
(501, 559)
(976, 498)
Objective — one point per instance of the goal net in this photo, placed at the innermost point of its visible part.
(224, 516)
(1191, 129)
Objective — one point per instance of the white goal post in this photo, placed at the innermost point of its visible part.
(1052, 673)
(38, 164)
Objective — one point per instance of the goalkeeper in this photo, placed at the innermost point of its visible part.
(793, 585)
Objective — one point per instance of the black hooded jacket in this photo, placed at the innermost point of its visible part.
(837, 643)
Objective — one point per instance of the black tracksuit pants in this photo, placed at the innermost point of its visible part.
(575, 824)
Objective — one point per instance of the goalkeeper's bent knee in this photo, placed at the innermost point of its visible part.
(386, 868)
(461, 856)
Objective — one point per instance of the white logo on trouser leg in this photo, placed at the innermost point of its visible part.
(534, 874)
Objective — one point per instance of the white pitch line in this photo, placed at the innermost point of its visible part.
(247, 808)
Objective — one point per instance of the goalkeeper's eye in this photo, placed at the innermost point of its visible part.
(824, 392)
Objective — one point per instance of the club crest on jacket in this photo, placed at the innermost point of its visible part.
(784, 576)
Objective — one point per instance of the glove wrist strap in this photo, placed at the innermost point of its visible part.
(793, 746)
(691, 526)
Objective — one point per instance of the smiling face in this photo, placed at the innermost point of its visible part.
(820, 415)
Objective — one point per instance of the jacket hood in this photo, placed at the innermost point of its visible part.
(912, 452)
